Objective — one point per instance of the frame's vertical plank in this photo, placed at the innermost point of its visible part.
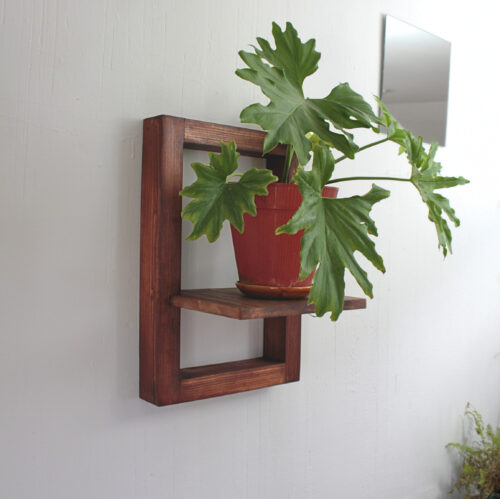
(161, 259)
(282, 334)
(149, 311)
(292, 347)
(282, 343)
(275, 339)
(275, 164)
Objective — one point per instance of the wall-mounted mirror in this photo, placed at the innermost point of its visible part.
(415, 78)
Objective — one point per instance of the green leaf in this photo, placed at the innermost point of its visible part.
(297, 60)
(216, 200)
(289, 116)
(425, 177)
(334, 230)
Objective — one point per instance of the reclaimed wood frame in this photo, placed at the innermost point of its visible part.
(162, 380)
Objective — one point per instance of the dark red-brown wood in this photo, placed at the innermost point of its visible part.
(282, 343)
(229, 302)
(160, 259)
(162, 381)
(230, 377)
(207, 137)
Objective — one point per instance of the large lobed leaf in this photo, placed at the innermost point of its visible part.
(216, 199)
(334, 230)
(289, 116)
(425, 177)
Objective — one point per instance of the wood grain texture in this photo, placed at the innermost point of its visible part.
(162, 381)
(229, 302)
(282, 337)
(149, 310)
(225, 367)
(207, 136)
(160, 259)
(230, 377)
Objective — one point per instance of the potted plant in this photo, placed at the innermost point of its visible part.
(314, 231)
(480, 475)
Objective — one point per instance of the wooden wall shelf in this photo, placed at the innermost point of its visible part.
(162, 380)
(229, 302)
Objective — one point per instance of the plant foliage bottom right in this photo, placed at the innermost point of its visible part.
(480, 475)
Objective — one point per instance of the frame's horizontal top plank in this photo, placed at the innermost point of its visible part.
(207, 137)
(229, 302)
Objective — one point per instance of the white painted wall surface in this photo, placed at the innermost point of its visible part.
(382, 391)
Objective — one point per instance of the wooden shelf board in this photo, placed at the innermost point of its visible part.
(230, 302)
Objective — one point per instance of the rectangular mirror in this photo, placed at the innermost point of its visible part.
(415, 79)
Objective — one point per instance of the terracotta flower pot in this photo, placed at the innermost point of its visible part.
(268, 264)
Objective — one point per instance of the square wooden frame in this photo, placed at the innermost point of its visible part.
(162, 381)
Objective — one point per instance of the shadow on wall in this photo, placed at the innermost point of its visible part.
(123, 257)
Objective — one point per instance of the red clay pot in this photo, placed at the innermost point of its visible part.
(269, 264)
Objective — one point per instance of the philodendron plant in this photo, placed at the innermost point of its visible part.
(334, 229)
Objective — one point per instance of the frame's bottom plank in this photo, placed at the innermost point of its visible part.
(229, 377)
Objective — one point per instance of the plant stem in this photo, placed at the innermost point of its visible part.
(288, 162)
(363, 148)
(345, 179)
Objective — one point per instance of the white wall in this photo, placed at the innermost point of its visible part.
(382, 391)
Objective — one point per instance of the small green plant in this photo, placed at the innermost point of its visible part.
(480, 476)
(334, 230)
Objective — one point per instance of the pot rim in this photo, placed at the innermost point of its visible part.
(287, 196)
